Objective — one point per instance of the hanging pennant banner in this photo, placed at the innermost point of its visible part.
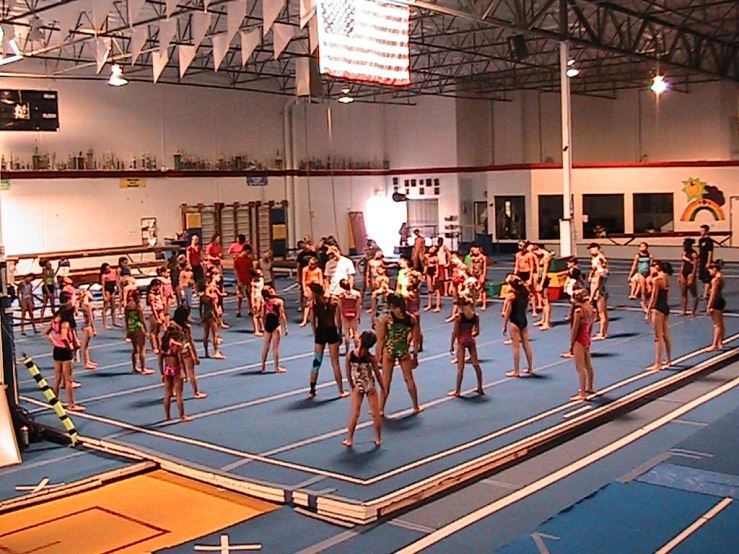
(270, 10)
(138, 39)
(200, 24)
(167, 29)
(307, 11)
(159, 62)
(187, 55)
(220, 47)
(67, 21)
(171, 6)
(313, 35)
(134, 7)
(100, 11)
(249, 41)
(236, 13)
(281, 36)
(102, 51)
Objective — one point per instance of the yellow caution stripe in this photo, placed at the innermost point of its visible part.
(52, 399)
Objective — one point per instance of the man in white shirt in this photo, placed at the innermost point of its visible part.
(338, 268)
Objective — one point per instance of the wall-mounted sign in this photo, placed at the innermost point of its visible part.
(132, 182)
(5, 184)
(29, 110)
(257, 180)
(702, 197)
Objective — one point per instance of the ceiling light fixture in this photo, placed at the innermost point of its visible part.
(346, 99)
(16, 51)
(116, 76)
(572, 70)
(659, 85)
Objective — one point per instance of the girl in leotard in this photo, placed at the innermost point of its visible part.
(123, 272)
(638, 275)
(136, 332)
(659, 308)
(543, 258)
(431, 275)
(209, 320)
(479, 270)
(88, 327)
(403, 278)
(717, 303)
(312, 274)
(413, 306)
(181, 324)
(155, 301)
(350, 307)
(687, 277)
(582, 326)
(464, 337)
(380, 292)
(373, 271)
(109, 283)
(48, 288)
(62, 338)
(515, 313)
(26, 301)
(172, 369)
(362, 371)
(326, 330)
(167, 292)
(598, 290)
(395, 332)
(257, 301)
(275, 322)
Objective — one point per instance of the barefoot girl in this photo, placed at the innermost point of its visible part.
(361, 370)
(465, 332)
(515, 313)
(181, 322)
(136, 330)
(186, 285)
(124, 274)
(687, 277)
(413, 306)
(48, 288)
(377, 261)
(209, 319)
(717, 303)
(243, 265)
(27, 303)
(265, 264)
(598, 290)
(582, 326)
(659, 308)
(88, 327)
(523, 266)
(479, 270)
(349, 304)
(638, 275)
(312, 274)
(380, 292)
(163, 274)
(109, 282)
(172, 369)
(155, 301)
(395, 332)
(543, 259)
(431, 274)
(62, 337)
(326, 324)
(257, 301)
(275, 323)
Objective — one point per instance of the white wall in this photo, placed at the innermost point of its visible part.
(474, 132)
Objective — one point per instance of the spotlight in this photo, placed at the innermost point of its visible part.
(346, 99)
(572, 70)
(659, 85)
(116, 76)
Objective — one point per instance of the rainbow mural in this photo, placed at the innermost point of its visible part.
(702, 197)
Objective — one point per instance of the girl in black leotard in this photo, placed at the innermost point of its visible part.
(687, 277)
(717, 303)
(515, 313)
(327, 330)
(659, 308)
(275, 323)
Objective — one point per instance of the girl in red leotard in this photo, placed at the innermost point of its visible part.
(466, 329)
(582, 327)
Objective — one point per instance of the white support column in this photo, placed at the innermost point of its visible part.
(568, 245)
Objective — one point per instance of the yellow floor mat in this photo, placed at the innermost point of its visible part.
(140, 514)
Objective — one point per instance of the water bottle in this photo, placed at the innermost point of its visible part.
(24, 439)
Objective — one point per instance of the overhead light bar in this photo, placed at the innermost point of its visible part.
(17, 55)
(572, 70)
(116, 76)
(346, 99)
(659, 85)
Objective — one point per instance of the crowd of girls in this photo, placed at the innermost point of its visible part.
(163, 315)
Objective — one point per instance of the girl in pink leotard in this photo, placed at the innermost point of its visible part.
(582, 327)
(466, 329)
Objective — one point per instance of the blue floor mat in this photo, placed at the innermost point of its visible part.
(695, 480)
(718, 536)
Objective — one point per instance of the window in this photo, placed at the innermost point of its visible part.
(551, 210)
(602, 215)
(424, 216)
(653, 212)
(510, 217)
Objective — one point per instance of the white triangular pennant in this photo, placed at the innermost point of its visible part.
(159, 62)
(249, 41)
(102, 51)
(134, 7)
(307, 10)
(313, 35)
(270, 10)
(8, 35)
(66, 20)
(138, 39)
(200, 24)
(171, 6)
(236, 13)
(187, 55)
(167, 29)
(100, 11)
(220, 47)
(281, 36)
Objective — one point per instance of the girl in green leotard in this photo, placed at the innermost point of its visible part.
(136, 332)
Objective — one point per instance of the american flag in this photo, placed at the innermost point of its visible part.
(364, 40)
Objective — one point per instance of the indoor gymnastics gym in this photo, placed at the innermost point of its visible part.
(560, 123)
